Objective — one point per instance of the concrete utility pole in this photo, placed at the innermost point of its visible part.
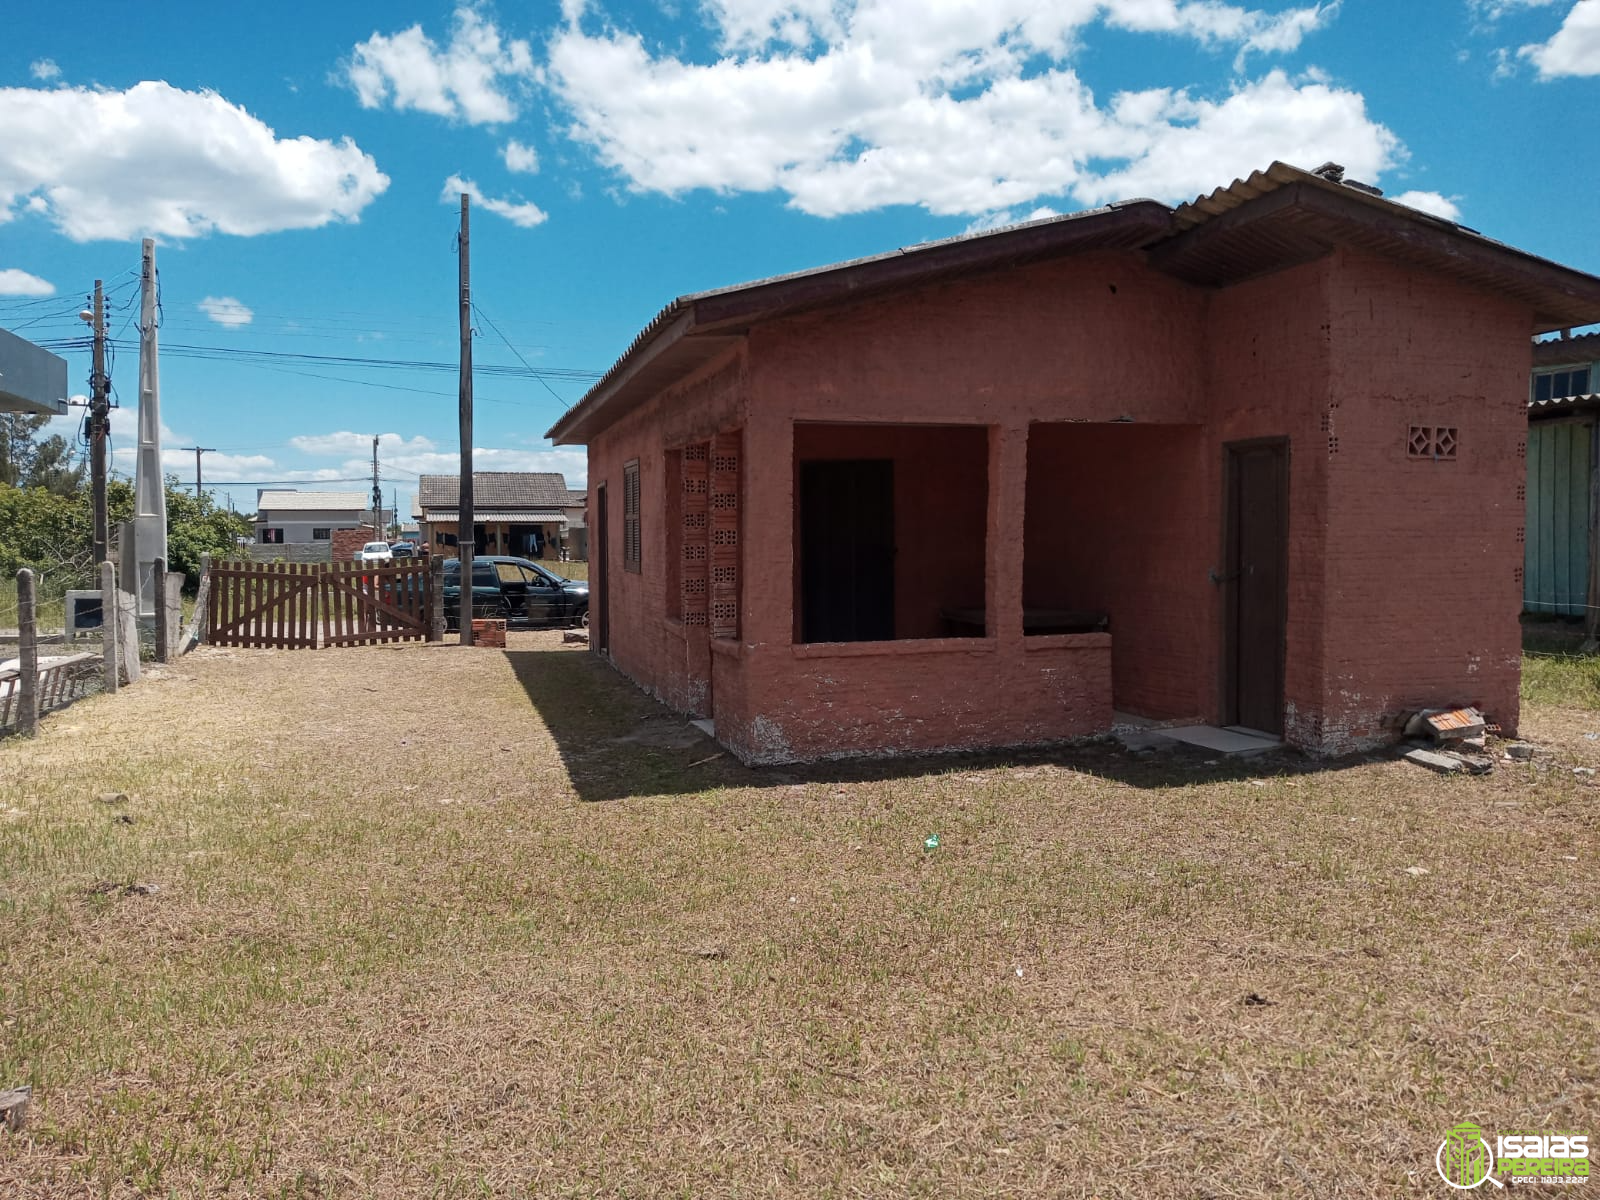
(465, 539)
(198, 451)
(99, 428)
(377, 491)
(150, 496)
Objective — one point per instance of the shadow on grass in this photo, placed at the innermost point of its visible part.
(616, 742)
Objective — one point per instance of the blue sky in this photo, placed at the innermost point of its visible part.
(298, 165)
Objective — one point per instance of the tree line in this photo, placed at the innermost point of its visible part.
(47, 512)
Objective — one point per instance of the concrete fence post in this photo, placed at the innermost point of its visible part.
(196, 633)
(174, 614)
(28, 654)
(435, 599)
(158, 585)
(110, 623)
(128, 648)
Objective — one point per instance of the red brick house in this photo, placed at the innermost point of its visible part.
(1253, 461)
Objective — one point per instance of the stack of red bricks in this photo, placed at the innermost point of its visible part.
(491, 633)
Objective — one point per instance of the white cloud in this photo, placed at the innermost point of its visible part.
(470, 79)
(346, 442)
(44, 69)
(157, 160)
(19, 283)
(519, 158)
(226, 311)
(572, 462)
(214, 466)
(851, 105)
(518, 212)
(1575, 47)
(1430, 202)
(1493, 10)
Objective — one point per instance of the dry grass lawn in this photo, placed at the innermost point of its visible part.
(419, 921)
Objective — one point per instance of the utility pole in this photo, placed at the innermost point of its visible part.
(99, 428)
(465, 538)
(394, 510)
(198, 451)
(377, 492)
(150, 495)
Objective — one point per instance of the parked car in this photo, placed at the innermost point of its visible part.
(521, 592)
(376, 554)
(403, 549)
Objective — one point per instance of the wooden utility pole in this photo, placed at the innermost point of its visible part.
(99, 428)
(465, 539)
(198, 451)
(377, 494)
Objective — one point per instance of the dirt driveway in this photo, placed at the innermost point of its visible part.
(428, 921)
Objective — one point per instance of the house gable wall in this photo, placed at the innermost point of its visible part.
(1095, 338)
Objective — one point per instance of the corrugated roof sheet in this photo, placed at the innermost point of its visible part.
(1562, 405)
(479, 515)
(1558, 351)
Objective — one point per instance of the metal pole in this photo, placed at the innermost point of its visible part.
(465, 539)
(27, 655)
(99, 421)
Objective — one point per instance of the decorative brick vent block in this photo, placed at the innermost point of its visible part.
(1435, 442)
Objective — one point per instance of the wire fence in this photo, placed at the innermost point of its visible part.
(52, 607)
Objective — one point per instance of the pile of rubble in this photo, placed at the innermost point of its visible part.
(1456, 739)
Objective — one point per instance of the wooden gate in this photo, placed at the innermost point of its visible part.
(304, 605)
(362, 604)
(263, 604)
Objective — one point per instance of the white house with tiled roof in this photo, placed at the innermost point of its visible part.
(286, 518)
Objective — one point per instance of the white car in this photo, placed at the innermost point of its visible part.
(375, 554)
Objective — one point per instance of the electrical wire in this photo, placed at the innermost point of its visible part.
(473, 304)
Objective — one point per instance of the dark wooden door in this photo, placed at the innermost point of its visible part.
(847, 550)
(602, 568)
(1257, 584)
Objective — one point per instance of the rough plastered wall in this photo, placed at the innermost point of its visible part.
(1423, 554)
(1094, 338)
(1113, 525)
(657, 653)
(941, 504)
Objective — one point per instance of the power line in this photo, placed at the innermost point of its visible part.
(475, 308)
(222, 353)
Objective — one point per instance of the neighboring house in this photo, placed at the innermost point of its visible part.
(294, 517)
(1563, 438)
(529, 514)
(1248, 461)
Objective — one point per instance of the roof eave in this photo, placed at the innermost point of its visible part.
(1559, 296)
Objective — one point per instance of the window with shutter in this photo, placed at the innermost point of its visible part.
(630, 516)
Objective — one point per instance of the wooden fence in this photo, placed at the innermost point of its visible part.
(297, 606)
